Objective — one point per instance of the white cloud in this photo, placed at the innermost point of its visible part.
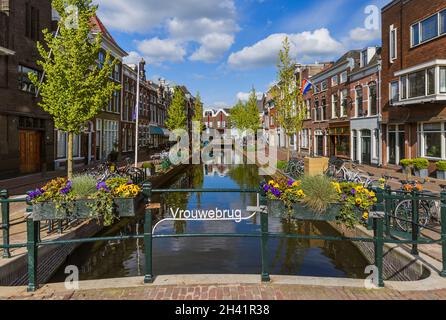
(184, 20)
(133, 58)
(363, 34)
(157, 50)
(306, 46)
(244, 96)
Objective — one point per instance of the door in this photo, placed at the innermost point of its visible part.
(366, 147)
(30, 151)
(392, 147)
(320, 145)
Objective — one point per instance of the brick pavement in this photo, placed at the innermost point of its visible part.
(237, 292)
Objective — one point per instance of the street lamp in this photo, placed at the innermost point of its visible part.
(138, 76)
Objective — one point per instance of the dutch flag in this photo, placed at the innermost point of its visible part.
(306, 86)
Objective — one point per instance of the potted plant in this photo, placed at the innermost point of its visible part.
(149, 168)
(85, 198)
(406, 165)
(421, 166)
(441, 170)
(318, 198)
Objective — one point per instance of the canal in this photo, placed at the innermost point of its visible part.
(302, 257)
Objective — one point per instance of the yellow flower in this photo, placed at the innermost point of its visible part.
(295, 184)
(276, 186)
(271, 182)
(365, 216)
(300, 193)
(372, 194)
(359, 188)
(358, 201)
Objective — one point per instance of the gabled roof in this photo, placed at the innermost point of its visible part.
(98, 27)
(373, 61)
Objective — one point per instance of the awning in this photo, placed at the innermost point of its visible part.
(166, 132)
(6, 52)
(156, 131)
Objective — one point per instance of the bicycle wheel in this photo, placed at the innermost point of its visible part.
(403, 214)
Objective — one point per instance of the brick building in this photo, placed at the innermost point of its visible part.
(26, 131)
(414, 80)
(365, 121)
(331, 108)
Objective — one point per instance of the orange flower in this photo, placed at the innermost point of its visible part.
(419, 187)
(408, 187)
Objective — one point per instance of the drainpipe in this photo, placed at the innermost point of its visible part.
(380, 133)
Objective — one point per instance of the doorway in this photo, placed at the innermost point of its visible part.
(30, 142)
(366, 146)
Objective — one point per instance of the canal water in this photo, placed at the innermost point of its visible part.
(302, 257)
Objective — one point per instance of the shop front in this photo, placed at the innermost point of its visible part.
(340, 142)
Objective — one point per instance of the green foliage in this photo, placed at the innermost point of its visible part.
(237, 117)
(288, 99)
(176, 113)
(148, 165)
(407, 163)
(75, 88)
(198, 109)
(281, 164)
(103, 207)
(441, 165)
(246, 116)
(82, 186)
(420, 163)
(114, 183)
(319, 193)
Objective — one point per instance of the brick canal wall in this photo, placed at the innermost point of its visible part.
(398, 264)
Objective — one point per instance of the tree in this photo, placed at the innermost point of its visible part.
(287, 96)
(237, 117)
(176, 115)
(75, 88)
(252, 113)
(198, 115)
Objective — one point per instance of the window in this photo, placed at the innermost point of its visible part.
(403, 88)
(316, 108)
(393, 43)
(344, 77)
(431, 81)
(308, 109)
(324, 85)
(24, 83)
(443, 22)
(359, 102)
(32, 23)
(101, 59)
(443, 80)
(431, 140)
(324, 108)
(417, 84)
(334, 106)
(429, 28)
(364, 58)
(344, 97)
(62, 145)
(394, 94)
(415, 34)
(373, 105)
(334, 81)
(305, 139)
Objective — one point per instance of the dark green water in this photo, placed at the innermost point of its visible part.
(216, 255)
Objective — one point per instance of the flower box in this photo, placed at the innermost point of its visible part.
(277, 208)
(124, 207)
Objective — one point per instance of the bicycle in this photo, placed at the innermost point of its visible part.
(295, 168)
(427, 208)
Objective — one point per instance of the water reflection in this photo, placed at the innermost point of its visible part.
(216, 255)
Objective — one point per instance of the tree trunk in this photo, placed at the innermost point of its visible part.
(70, 156)
(287, 143)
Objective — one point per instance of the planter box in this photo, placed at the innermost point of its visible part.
(276, 208)
(124, 207)
(315, 166)
(441, 175)
(423, 173)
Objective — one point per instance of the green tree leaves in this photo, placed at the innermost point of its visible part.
(246, 116)
(176, 114)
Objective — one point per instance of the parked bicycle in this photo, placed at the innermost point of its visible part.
(428, 209)
(295, 168)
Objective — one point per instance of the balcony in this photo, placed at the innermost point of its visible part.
(425, 83)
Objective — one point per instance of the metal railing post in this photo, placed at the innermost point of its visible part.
(443, 231)
(32, 246)
(5, 223)
(378, 231)
(415, 220)
(147, 192)
(387, 208)
(264, 239)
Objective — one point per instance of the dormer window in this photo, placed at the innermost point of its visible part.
(364, 59)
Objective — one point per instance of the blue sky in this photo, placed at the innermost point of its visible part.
(223, 48)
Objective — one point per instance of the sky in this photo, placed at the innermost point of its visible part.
(224, 48)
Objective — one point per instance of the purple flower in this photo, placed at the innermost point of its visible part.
(290, 183)
(353, 191)
(102, 186)
(34, 194)
(344, 197)
(276, 192)
(129, 183)
(67, 188)
(266, 188)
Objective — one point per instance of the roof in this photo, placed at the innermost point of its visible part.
(373, 61)
(99, 27)
(352, 54)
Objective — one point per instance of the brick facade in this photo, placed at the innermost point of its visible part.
(403, 120)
